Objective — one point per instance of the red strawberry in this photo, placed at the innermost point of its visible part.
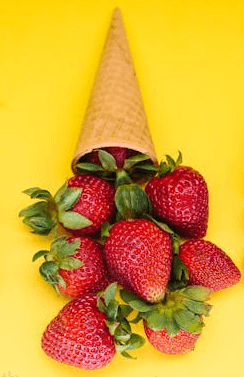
(208, 265)
(179, 197)
(74, 266)
(79, 336)
(181, 343)
(89, 329)
(139, 256)
(81, 206)
(96, 202)
(173, 325)
(119, 153)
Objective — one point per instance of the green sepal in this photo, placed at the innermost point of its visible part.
(89, 167)
(168, 166)
(179, 274)
(39, 254)
(38, 193)
(131, 201)
(40, 224)
(107, 160)
(49, 272)
(188, 321)
(155, 320)
(110, 293)
(122, 178)
(127, 355)
(162, 226)
(118, 324)
(197, 307)
(69, 198)
(196, 292)
(61, 248)
(105, 230)
(171, 326)
(73, 220)
(135, 160)
(70, 264)
(34, 209)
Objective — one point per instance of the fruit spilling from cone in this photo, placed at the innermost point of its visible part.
(135, 251)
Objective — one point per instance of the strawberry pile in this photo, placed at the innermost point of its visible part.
(135, 252)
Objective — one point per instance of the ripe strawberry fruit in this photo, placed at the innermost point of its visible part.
(74, 266)
(81, 206)
(79, 336)
(139, 255)
(181, 343)
(89, 330)
(173, 325)
(208, 265)
(96, 202)
(179, 197)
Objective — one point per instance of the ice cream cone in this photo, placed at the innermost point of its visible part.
(115, 114)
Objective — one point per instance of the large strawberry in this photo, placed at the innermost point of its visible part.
(208, 265)
(139, 255)
(179, 197)
(74, 266)
(173, 325)
(81, 206)
(88, 330)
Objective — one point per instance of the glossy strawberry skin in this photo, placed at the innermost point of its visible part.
(139, 257)
(181, 343)
(208, 265)
(79, 336)
(119, 153)
(92, 276)
(181, 200)
(96, 202)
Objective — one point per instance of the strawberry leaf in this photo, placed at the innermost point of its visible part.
(110, 292)
(69, 198)
(131, 201)
(89, 167)
(68, 248)
(41, 224)
(188, 321)
(73, 220)
(60, 192)
(197, 307)
(39, 254)
(134, 160)
(37, 193)
(107, 160)
(34, 209)
(70, 264)
(196, 292)
(112, 310)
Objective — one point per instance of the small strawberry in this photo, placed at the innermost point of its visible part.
(81, 206)
(74, 266)
(208, 265)
(173, 325)
(139, 255)
(89, 329)
(179, 197)
(120, 154)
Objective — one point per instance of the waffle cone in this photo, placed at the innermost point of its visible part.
(115, 114)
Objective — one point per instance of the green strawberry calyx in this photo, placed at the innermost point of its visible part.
(180, 309)
(138, 167)
(43, 216)
(169, 166)
(118, 322)
(60, 256)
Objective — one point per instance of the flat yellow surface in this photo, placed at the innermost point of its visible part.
(189, 59)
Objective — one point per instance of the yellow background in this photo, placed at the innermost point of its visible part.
(189, 60)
